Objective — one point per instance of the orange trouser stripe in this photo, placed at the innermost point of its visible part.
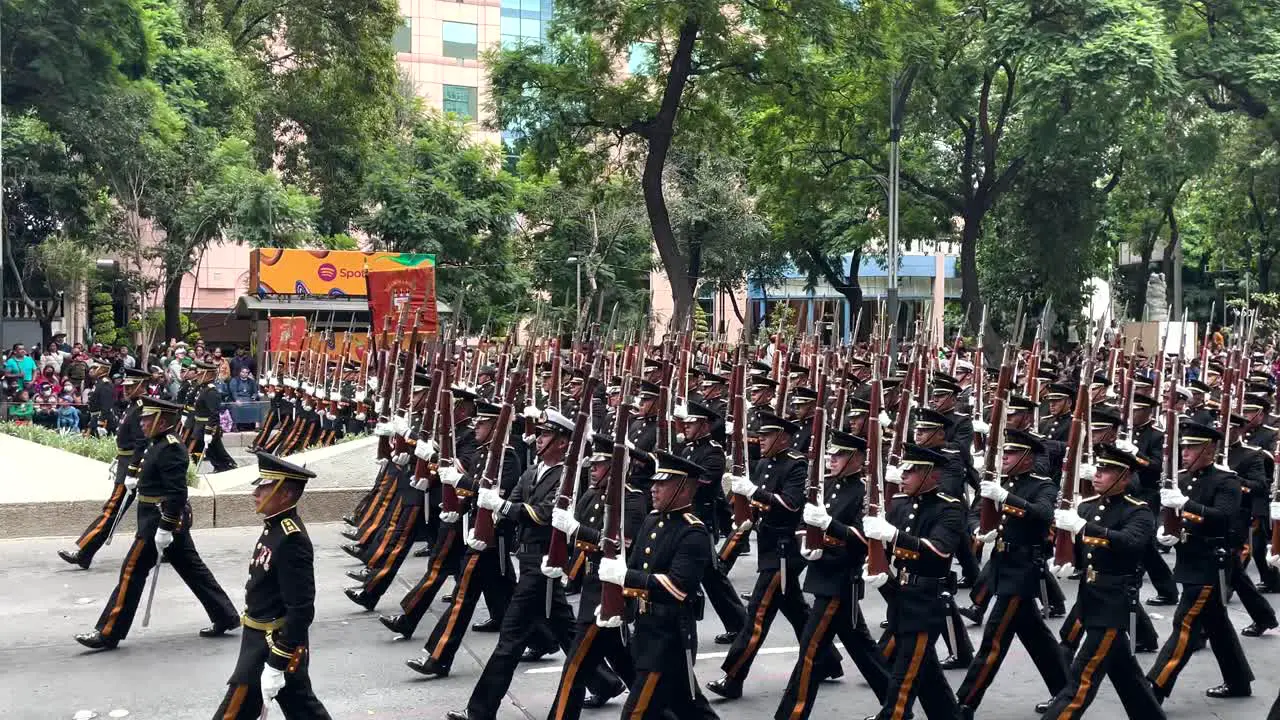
(390, 532)
(1002, 634)
(1184, 635)
(904, 692)
(130, 564)
(456, 610)
(113, 504)
(807, 661)
(406, 538)
(442, 554)
(571, 670)
(757, 625)
(1086, 681)
(237, 699)
(646, 695)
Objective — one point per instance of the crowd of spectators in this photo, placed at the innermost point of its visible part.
(74, 387)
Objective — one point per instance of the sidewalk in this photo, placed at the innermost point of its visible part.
(57, 493)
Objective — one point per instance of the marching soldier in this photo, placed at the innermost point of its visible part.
(1253, 467)
(1207, 500)
(781, 475)
(1257, 406)
(923, 529)
(834, 578)
(207, 427)
(661, 575)
(1144, 484)
(1018, 569)
(1117, 530)
(131, 443)
(803, 400)
(279, 603)
(164, 531)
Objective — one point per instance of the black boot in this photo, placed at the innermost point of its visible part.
(1227, 690)
(354, 550)
(357, 596)
(75, 558)
(726, 638)
(397, 624)
(490, 625)
(427, 665)
(219, 629)
(725, 688)
(360, 576)
(95, 641)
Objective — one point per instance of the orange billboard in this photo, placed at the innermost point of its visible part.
(333, 273)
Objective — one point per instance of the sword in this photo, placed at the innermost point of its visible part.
(550, 589)
(124, 503)
(782, 582)
(502, 555)
(151, 595)
(951, 624)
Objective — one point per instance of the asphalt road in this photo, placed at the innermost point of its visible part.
(166, 672)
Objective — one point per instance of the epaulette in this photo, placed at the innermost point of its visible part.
(692, 519)
(170, 438)
(713, 443)
(1040, 477)
(1271, 428)
(947, 498)
(795, 455)
(898, 495)
(1135, 501)
(949, 451)
(289, 526)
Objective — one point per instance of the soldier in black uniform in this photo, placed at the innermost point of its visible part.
(131, 443)
(1257, 407)
(485, 383)
(643, 436)
(1060, 399)
(1207, 500)
(1199, 408)
(1144, 484)
(701, 450)
(102, 401)
(776, 488)
(714, 391)
(1117, 529)
(834, 578)
(803, 400)
(279, 605)
(661, 575)
(594, 640)
(760, 392)
(943, 399)
(1026, 503)
(538, 598)
(207, 416)
(1254, 468)
(923, 529)
(164, 530)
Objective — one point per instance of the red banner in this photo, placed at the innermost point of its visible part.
(288, 334)
(390, 289)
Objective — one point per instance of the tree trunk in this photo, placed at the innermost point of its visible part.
(970, 297)
(173, 308)
(1264, 271)
(660, 134)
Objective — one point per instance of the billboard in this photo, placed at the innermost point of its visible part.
(390, 289)
(332, 273)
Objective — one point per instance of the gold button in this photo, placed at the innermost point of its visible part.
(911, 516)
(648, 551)
(591, 519)
(646, 566)
(653, 535)
(661, 523)
(1097, 517)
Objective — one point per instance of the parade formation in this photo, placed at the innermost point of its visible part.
(634, 474)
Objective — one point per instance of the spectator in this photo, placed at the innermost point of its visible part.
(127, 361)
(223, 374)
(20, 411)
(68, 416)
(173, 374)
(60, 340)
(50, 375)
(244, 388)
(53, 356)
(20, 365)
(243, 360)
(46, 407)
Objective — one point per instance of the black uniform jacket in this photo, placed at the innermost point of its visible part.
(1025, 516)
(1207, 517)
(1118, 529)
(708, 454)
(1253, 467)
(281, 590)
(531, 502)
(162, 481)
(844, 548)
(664, 571)
(131, 442)
(930, 528)
(780, 486)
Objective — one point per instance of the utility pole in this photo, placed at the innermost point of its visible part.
(895, 135)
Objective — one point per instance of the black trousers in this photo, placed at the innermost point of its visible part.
(99, 531)
(525, 613)
(1260, 537)
(592, 645)
(831, 617)
(1072, 630)
(1158, 570)
(1274, 713)
(1013, 615)
(1105, 651)
(243, 700)
(734, 547)
(216, 453)
(969, 568)
(419, 598)
(1200, 609)
(1259, 609)
(768, 598)
(392, 551)
(962, 650)
(917, 672)
(122, 605)
(663, 695)
(724, 598)
(981, 592)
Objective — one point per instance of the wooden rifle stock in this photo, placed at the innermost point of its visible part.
(497, 448)
(1169, 517)
(988, 515)
(611, 541)
(877, 561)
(558, 549)
(738, 438)
(1077, 436)
(814, 536)
(444, 427)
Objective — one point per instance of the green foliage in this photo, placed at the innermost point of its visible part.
(102, 319)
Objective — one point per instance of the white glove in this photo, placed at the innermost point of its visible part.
(272, 682)
(985, 538)
(613, 571)
(449, 517)
(554, 573)
(991, 490)
(1068, 520)
(874, 582)
(529, 439)
(817, 516)
(1172, 498)
(878, 528)
(564, 521)
(740, 485)
(359, 396)
(1125, 446)
(418, 483)
(475, 544)
(425, 449)
(489, 499)
(400, 425)
(531, 412)
(361, 417)
(884, 419)
(810, 555)
(381, 462)
(728, 427)
(164, 539)
(893, 474)
(981, 427)
(1275, 508)
(1273, 560)
(1061, 571)
(1088, 471)
(979, 462)
(614, 622)
(131, 484)
(330, 416)
(401, 459)
(373, 383)
(449, 475)
(1166, 539)
(382, 429)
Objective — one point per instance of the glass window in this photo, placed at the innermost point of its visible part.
(511, 5)
(640, 57)
(531, 6)
(460, 100)
(402, 40)
(530, 29)
(510, 26)
(459, 40)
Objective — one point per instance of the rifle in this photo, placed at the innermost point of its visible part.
(992, 464)
(558, 549)
(391, 372)
(877, 561)
(817, 461)
(612, 543)
(1077, 436)
(738, 438)
(1204, 345)
(1170, 517)
(443, 379)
